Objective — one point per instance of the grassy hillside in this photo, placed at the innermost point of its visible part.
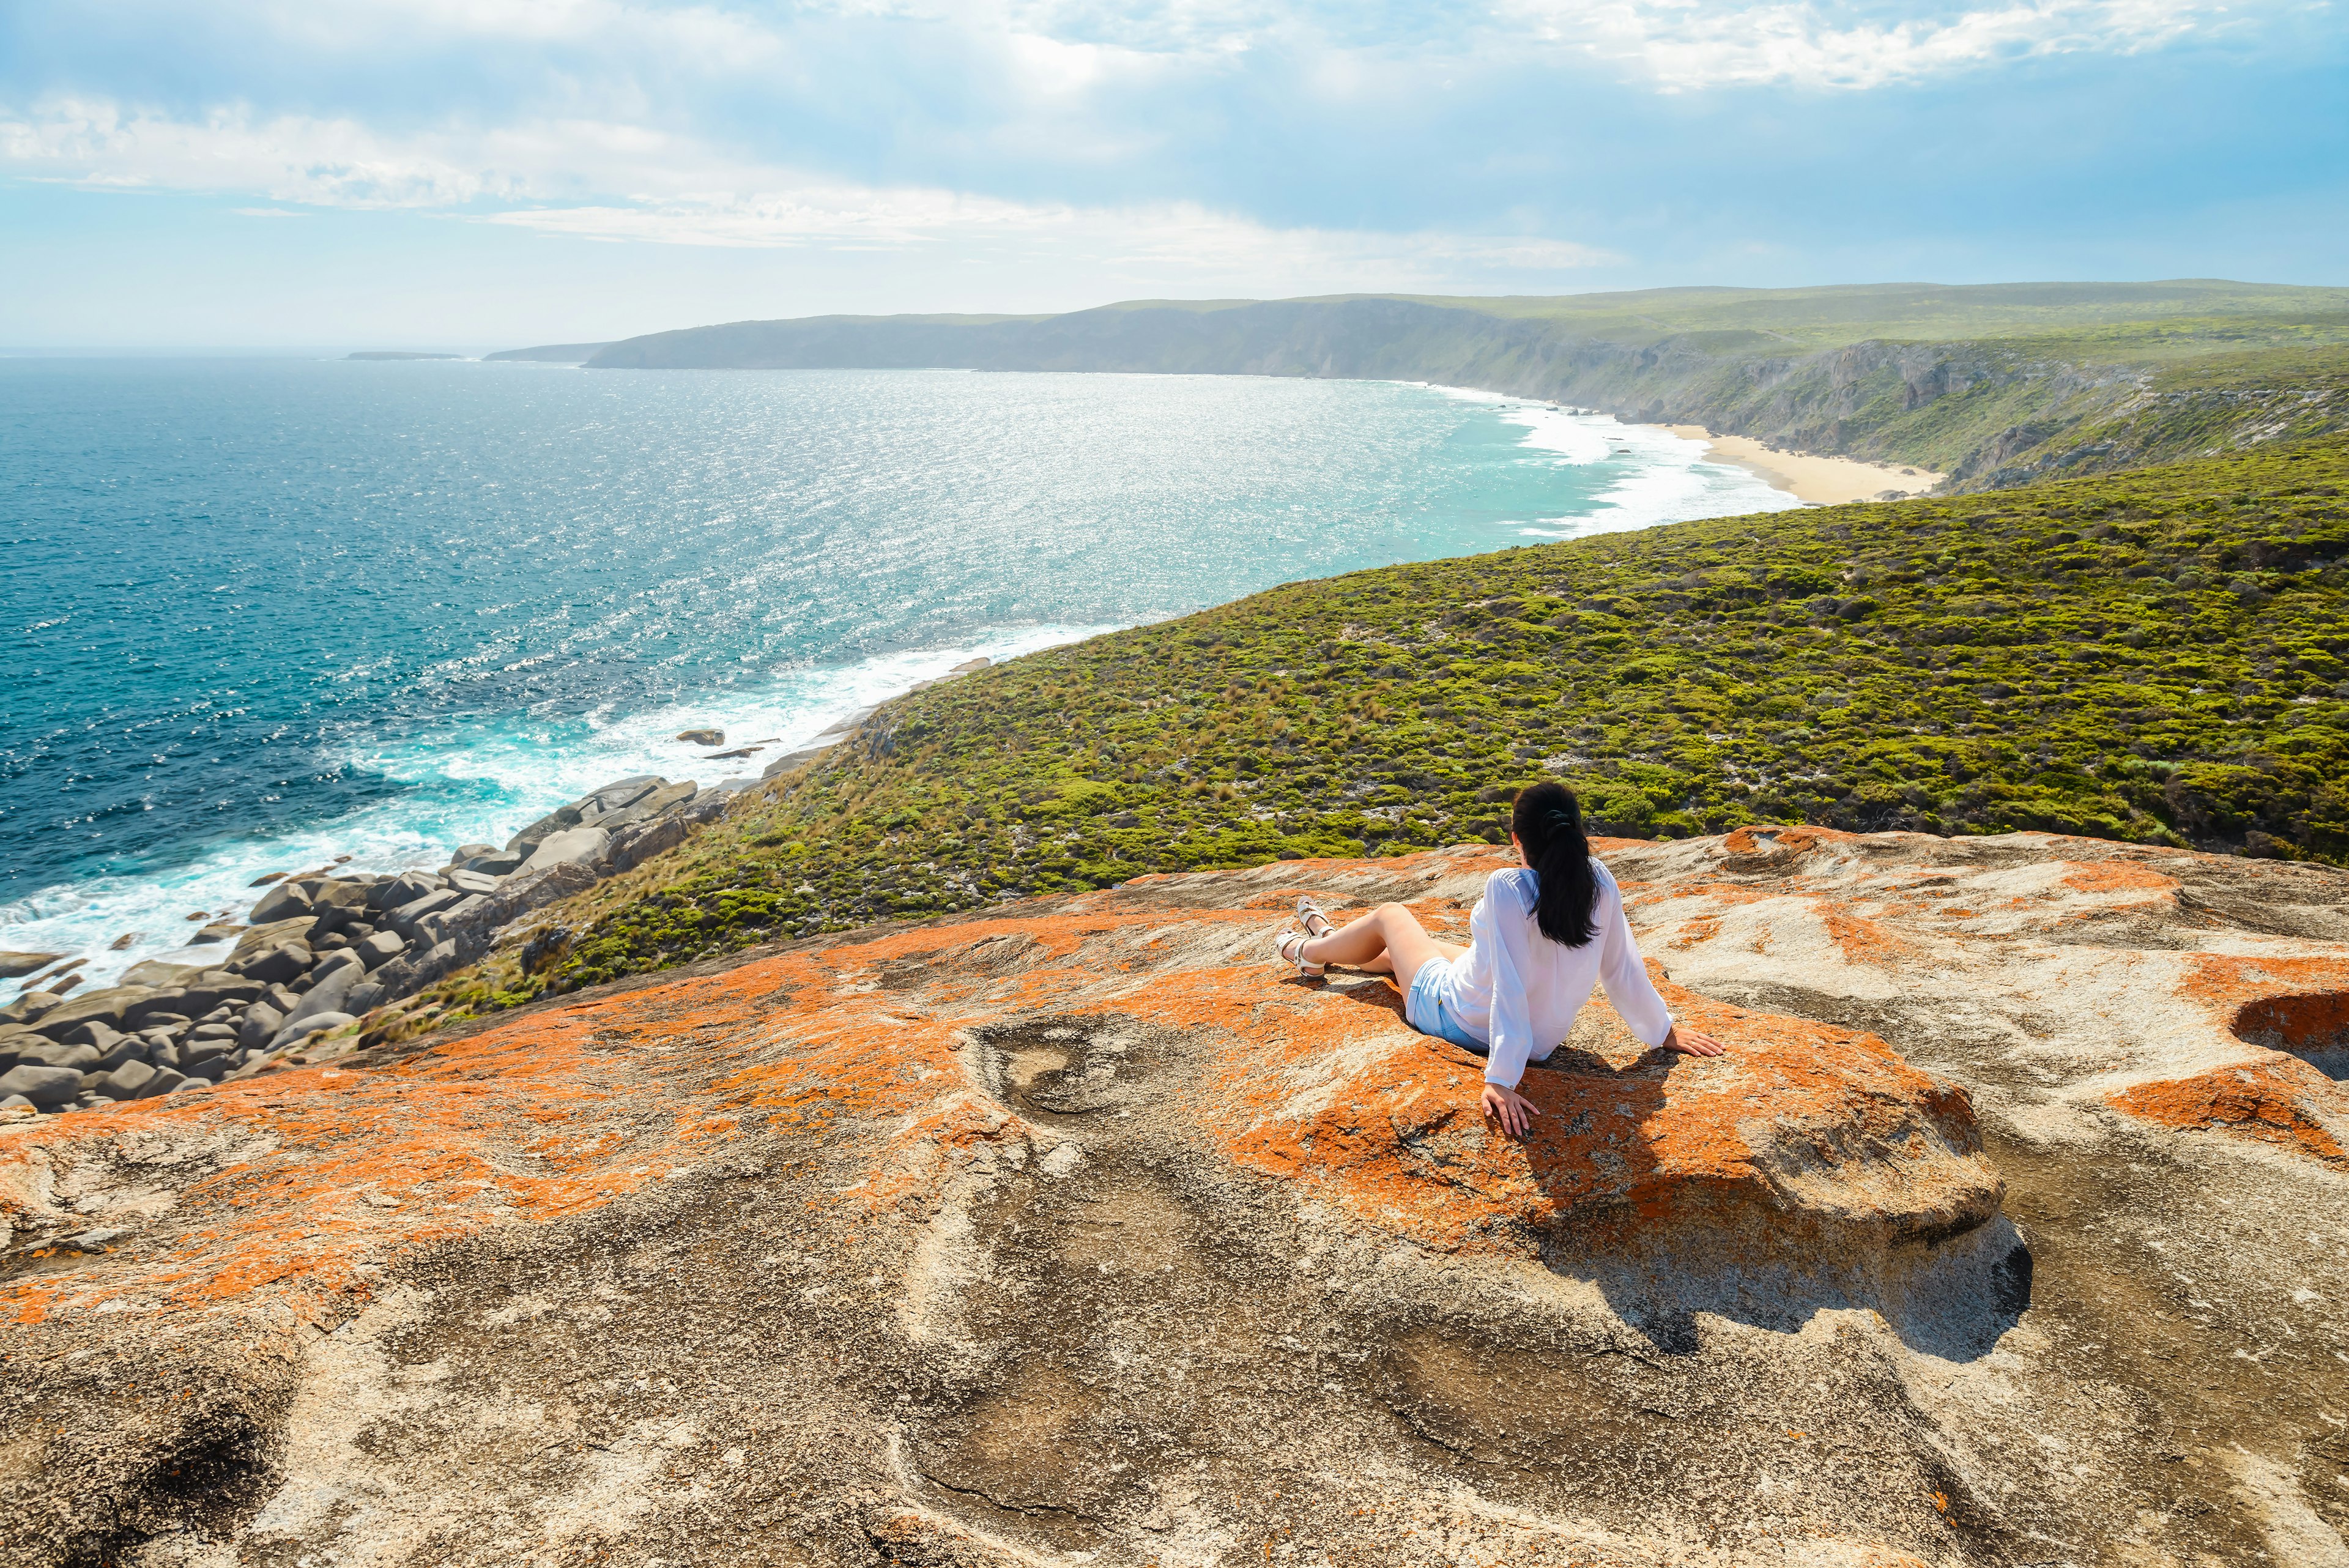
(2161, 656)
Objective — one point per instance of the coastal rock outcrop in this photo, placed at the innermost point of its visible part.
(1076, 1230)
(322, 949)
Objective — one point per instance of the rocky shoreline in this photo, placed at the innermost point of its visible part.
(324, 949)
(319, 951)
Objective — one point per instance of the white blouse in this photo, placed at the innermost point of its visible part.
(1519, 991)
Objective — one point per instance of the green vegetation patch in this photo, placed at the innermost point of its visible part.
(2159, 656)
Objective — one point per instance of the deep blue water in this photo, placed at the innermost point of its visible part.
(261, 612)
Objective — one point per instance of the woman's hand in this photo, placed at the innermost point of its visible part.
(1511, 1109)
(1691, 1043)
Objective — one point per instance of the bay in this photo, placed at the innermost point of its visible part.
(266, 612)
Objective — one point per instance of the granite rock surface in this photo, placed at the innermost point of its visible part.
(2006, 1232)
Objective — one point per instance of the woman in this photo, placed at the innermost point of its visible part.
(1540, 937)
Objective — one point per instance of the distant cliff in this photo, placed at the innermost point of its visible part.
(552, 354)
(1995, 386)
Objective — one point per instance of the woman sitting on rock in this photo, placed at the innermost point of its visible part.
(1540, 937)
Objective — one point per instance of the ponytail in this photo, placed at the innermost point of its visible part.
(1547, 821)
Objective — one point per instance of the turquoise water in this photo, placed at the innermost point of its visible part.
(266, 612)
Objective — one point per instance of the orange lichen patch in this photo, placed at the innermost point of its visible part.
(1704, 928)
(2223, 982)
(1797, 1117)
(2117, 876)
(2280, 1100)
(1863, 941)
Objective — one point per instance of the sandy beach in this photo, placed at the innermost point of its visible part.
(1822, 480)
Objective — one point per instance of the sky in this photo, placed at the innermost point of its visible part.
(475, 174)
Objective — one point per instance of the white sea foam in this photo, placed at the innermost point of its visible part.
(476, 783)
(1656, 476)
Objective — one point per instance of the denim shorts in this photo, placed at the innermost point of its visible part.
(1427, 1006)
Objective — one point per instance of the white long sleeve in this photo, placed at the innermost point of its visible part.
(1625, 975)
(1519, 992)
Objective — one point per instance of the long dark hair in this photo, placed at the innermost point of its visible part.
(1548, 822)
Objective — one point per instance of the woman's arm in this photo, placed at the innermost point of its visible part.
(1625, 975)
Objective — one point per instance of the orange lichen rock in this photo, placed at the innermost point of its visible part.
(303, 1182)
(1081, 1230)
(2280, 1101)
(1799, 1129)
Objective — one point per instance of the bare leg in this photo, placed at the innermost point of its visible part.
(1389, 939)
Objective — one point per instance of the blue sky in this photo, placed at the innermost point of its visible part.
(491, 172)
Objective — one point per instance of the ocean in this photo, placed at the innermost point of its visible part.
(267, 612)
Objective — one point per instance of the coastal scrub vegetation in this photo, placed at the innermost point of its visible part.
(2160, 656)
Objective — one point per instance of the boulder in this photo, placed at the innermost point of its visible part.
(130, 1081)
(330, 983)
(619, 794)
(634, 846)
(80, 1056)
(465, 852)
(406, 888)
(650, 805)
(465, 882)
(474, 912)
(108, 1005)
(218, 931)
(158, 972)
(302, 1028)
(31, 1006)
(198, 995)
(283, 901)
(260, 939)
(572, 847)
(497, 864)
(17, 965)
(380, 948)
(43, 1086)
(262, 1022)
(278, 965)
(702, 737)
(403, 918)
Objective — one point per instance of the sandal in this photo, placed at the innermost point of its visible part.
(1308, 911)
(1290, 946)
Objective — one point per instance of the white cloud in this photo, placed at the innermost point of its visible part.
(1686, 44)
(553, 178)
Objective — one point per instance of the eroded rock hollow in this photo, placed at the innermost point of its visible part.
(2006, 1233)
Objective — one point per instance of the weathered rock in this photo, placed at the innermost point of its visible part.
(40, 1084)
(652, 803)
(276, 965)
(261, 1024)
(331, 981)
(634, 846)
(32, 1006)
(381, 948)
(406, 888)
(218, 931)
(315, 1023)
(465, 882)
(572, 847)
(129, 1081)
(932, 1228)
(283, 901)
(497, 864)
(107, 1006)
(200, 994)
(17, 965)
(403, 918)
(465, 852)
(702, 737)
